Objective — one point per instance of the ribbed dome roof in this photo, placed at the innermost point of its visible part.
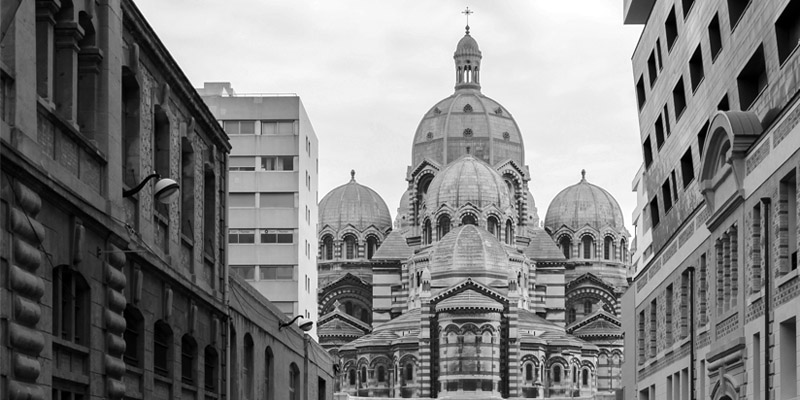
(584, 204)
(469, 251)
(354, 204)
(467, 46)
(468, 180)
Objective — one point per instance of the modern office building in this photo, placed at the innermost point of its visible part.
(272, 202)
(712, 314)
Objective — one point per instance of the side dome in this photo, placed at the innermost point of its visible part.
(469, 251)
(584, 204)
(468, 181)
(354, 204)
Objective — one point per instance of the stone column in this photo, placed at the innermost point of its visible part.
(65, 95)
(89, 60)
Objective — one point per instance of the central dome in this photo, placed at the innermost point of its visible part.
(467, 121)
(468, 181)
(469, 251)
(356, 205)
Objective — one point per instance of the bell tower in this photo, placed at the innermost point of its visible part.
(468, 60)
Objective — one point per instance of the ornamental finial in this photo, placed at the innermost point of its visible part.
(583, 175)
(352, 175)
(467, 12)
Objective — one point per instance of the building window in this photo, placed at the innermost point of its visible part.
(241, 236)
(701, 136)
(493, 226)
(788, 359)
(668, 315)
(652, 68)
(587, 307)
(666, 194)
(210, 370)
(509, 232)
(608, 245)
(443, 226)
(727, 261)
(679, 99)
(671, 29)
(566, 246)
(587, 243)
(241, 163)
(241, 200)
(572, 315)
(71, 301)
(276, 272)
(239, 127)
(468, 219)
(640, 336)
(161, 141)
(687, 6)
(188, 357)
(246, 272)
(130, 125)
(381, 373)
(352, 377)
(269, 367)
(703, 290)
(714, 37)
(585, 379)
(372, 246)
(134, 335)
(666, 120)
(687, 168)
(752, 80)
(654, 214)
(278, 236)
(187, 188)
(653, 328)
(787, 30)
(659, 130)
(787, 221)
(162, 346)
(350, 247)
(327, 247)
(209, 208)
(696, 71)
(640, 95)
(277, 200)
(248, 367)
(755, 250)
(277, 163)
(278, 128)
(409, 372)
(67, 394)
(684, 305)
(557, 373)
(648, 152)
(736, 9)
(294, 382)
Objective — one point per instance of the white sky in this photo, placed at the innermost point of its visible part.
(368, 70)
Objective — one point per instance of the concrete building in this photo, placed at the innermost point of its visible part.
(272, 220)
(106, 291)
(466, 296)
(713, 314)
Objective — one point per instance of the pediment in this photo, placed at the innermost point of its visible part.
(426, 163)
(469, 299)
(513, 165)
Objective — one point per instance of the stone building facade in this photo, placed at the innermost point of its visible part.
(713, 313)
(467, 296)
(105, 295)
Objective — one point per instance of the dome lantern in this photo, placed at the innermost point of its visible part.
(468, 62)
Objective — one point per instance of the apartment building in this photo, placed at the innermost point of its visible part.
(272, 202)
(712, 313)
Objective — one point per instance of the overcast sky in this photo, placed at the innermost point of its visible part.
(368, 70)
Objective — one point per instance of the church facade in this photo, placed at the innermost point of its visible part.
(466, 294)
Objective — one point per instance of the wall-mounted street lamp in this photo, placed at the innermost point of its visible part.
(165, 189)
(304, 324)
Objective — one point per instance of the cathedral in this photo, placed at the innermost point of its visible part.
(466, 294)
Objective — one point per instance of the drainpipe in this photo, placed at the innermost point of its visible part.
(305, 365)
(765, 255)
(692, 349)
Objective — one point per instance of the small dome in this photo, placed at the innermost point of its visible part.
(354, 204)
(469, 251)
(467, 46)
(468, 180)
(584, 204)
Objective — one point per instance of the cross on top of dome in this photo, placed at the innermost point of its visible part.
(467, 12)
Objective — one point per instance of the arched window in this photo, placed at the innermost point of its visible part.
(574, 374)
(585, 380)
(211, 361)
(493, 226)
(248, 367)
(528, 372)
(71, 312)
(623, 251)
(608, 247)
(427, 233)
(409, 372)
(352, 377)
(268, 371)
(294, 382)
(468, 219)
(363, 377)
(509, 232)
(364, 315)
(134, 335)
(162, 348)
(187, 189)
(327, 248)
(571, 315)
(566, 246)
(188, 358)
(372, 246)
(443, 226)
(586, 241)
(381, 373)
(350, 247)
(587, 307)
(557, 373)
